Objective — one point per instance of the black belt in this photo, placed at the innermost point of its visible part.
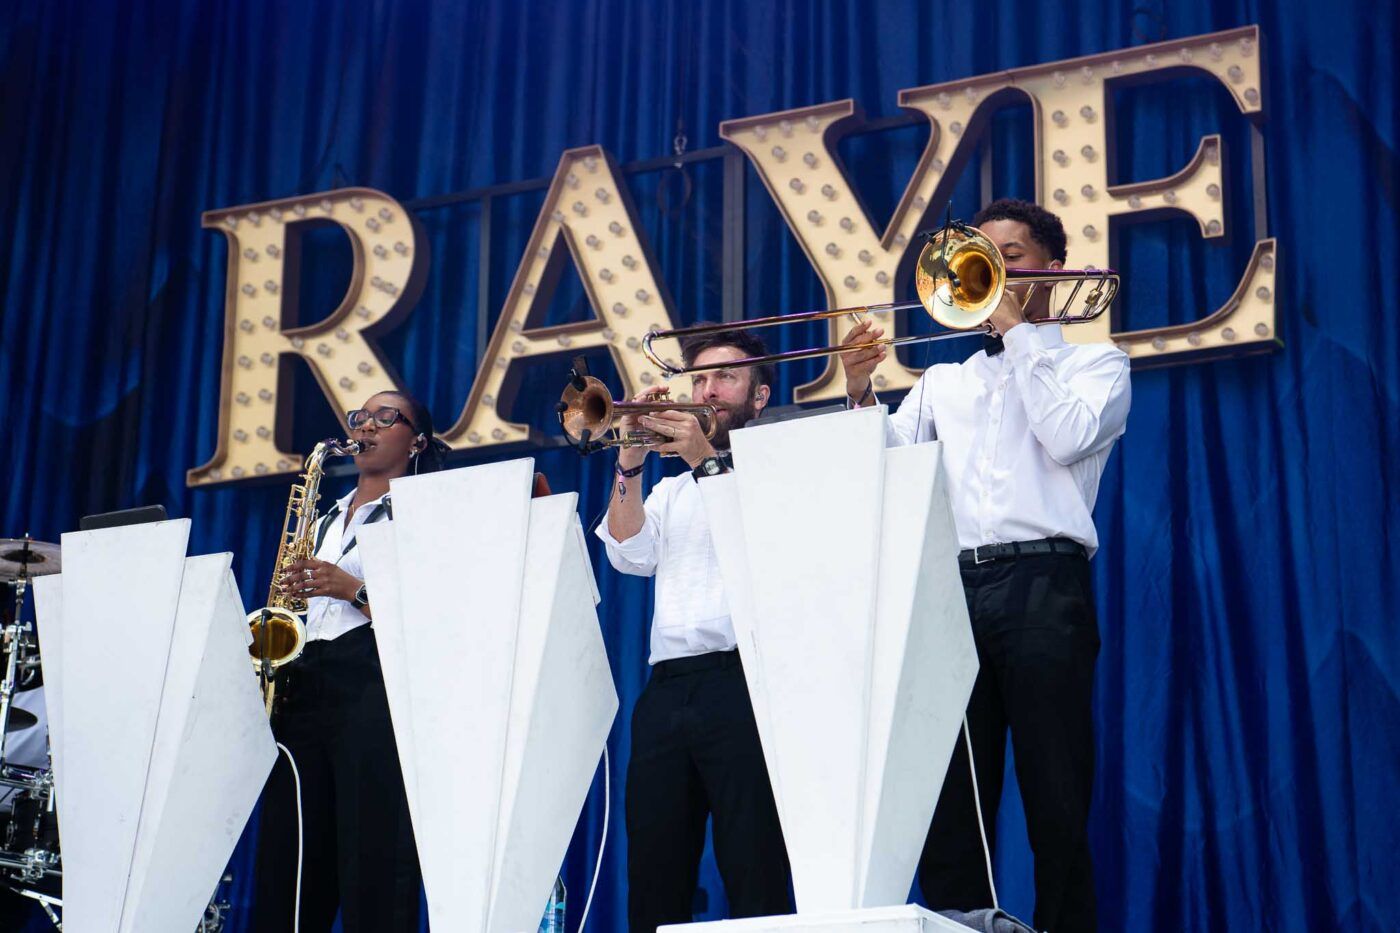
(989, 552)
(691, 665)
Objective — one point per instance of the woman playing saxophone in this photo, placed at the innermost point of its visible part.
(332, 715)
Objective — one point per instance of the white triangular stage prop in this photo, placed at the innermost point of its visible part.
(485, 609)
(840, 563)
(160, 743)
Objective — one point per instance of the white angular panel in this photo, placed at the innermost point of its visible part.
(121, 587)
(925, 665)
(380, 557)
(726, 517)
(460, 538)
(907, 919)
(161, 747)
(562, 708)
(213, 751)
(48, 611)
(485, 615)
(858, 654)
(801, 487)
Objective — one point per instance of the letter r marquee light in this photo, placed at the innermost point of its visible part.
(261, 300)
(587, 209)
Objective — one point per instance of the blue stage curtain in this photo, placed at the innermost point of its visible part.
(1248, 723)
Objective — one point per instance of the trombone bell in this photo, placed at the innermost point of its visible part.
(960, 277)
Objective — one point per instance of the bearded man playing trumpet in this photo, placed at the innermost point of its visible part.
(695, 747)
(1027, 425)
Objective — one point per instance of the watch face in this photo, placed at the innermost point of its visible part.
(711, 466)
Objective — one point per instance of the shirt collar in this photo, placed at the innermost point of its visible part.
(343, 502)
(1051, 335)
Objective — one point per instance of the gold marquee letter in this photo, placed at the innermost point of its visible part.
(793, 153)
(1071, 105)
(261, 298)
(588, 209)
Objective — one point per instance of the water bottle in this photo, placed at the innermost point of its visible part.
(553, 919)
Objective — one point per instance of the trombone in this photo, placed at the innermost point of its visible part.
(960, 277)
(590, 417)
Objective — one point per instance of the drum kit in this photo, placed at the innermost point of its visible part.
(30, 864)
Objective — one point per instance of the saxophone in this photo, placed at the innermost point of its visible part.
(279, 634)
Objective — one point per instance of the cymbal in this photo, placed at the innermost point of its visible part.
(20, 719)
(25, 557)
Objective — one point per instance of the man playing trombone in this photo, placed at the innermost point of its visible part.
(695, 746)
(1027, 425)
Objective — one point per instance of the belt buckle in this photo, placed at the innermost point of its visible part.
(977, 560)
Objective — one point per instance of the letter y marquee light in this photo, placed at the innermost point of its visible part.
(794, 154)
(587, 220)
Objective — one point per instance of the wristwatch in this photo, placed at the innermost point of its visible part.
(361, 598)
(710, 466)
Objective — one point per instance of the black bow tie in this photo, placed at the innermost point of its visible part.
(992, 344)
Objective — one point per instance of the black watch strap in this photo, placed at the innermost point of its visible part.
(710, 466)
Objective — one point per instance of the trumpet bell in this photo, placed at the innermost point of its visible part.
(588, 409)
(277, 633)
(590, 416)
(960, 277)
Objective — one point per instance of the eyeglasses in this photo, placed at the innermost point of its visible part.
(385, 416)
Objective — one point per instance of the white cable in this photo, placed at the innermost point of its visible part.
(603, 842)
(296, 778)
(977, 802)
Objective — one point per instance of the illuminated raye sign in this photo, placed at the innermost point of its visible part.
(587, 220)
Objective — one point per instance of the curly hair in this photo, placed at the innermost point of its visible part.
(1044, 226)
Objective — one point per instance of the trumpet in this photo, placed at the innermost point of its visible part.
(590, 417)
(960, 278)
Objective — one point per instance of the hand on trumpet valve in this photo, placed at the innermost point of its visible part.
(629, 457)
(686, 438)
(861, 363)
(1007, 315)
(308, 578)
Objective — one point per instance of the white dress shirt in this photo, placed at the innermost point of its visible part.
(328, 618)
(1025, 434)
(692, 613)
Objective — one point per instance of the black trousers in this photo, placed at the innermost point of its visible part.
(695, 755)
(360, 856)
(1036, 631)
